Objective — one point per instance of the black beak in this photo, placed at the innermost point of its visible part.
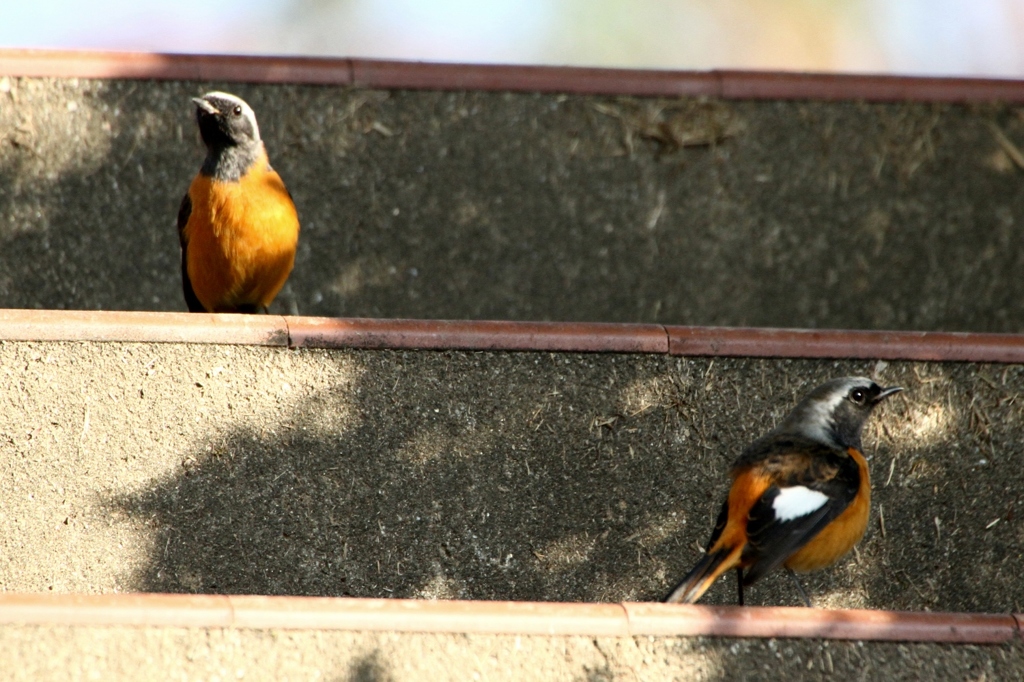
(886, 392)
(205, 106)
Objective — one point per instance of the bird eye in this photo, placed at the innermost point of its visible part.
(238, 110)
(857, 395)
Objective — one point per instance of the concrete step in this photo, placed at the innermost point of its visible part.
(473, 475)
(131, 653)
(498, 205)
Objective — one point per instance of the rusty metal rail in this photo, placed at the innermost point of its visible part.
(570, 337)
(372, 73)
(527, 618)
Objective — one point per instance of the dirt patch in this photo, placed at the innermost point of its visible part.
(518, 206)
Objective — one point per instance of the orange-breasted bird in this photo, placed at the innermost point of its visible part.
(800, 495)
(237, 225)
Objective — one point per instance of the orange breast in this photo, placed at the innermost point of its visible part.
(838, 537)
(241, 239)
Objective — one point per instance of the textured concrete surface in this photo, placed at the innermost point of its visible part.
(490, 205)
(488, 475)
(66, 653)
(533, 476)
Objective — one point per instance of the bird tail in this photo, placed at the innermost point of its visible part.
(708, 569)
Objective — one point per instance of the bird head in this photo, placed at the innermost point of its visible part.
(834, 413)
(225, 121)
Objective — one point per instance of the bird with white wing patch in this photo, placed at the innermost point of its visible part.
(800, 495)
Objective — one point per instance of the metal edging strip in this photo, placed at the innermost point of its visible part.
(500, 617)
(569, 337)
(377, 73)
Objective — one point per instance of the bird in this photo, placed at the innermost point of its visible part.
(800, 494)
(237, 224)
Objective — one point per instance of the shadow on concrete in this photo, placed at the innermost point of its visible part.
(492, 205)
(575, 478)
(369, 668)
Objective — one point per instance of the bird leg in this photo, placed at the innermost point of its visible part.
(739, 584)
(799, 587)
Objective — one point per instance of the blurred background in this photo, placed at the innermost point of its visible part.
(938, 37)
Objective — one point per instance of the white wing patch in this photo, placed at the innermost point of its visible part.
(792, 503)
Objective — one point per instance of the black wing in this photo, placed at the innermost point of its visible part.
(723, 518)
(795, 462)
(194, 306)
(770, 541)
